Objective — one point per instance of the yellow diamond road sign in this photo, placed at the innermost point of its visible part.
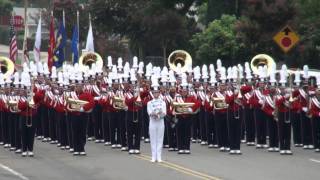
(286, 38)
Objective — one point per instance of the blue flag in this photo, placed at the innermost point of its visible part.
(61, 40)
(74, 45)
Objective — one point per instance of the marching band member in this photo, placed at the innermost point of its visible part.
(184, 118)
(68, 76)
(268, 108)
(79, 115)
(295, 111)
(52, 100)
(134, 103)
(283, 114)
(15, 137)
(96, 83)
(5, 120)
(28, 106)
(221, 112)
(48, 99)
(164, 96)
(256, 101)
(234, 122)
(116, 114)
(60, 113)
(305, 120)
(247, 92)
(170, 118)
(39, 89)
(2, 106)
(315, 112)
(211, 126)
(203, 118)
(156, 110)
(146, 97)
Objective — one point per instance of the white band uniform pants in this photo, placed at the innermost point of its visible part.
(156, 132)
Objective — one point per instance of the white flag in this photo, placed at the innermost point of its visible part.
(89, 43)
(37, 43)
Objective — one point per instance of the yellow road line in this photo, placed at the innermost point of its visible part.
(181, 168)
(170, 167)
(187, 169)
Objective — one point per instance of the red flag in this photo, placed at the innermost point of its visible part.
(51, 46)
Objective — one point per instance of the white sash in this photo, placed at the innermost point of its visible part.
(74, 95)
(270, 101)
(96, 90)
(202, 95)
(316, 102)
(150, 93)
(303, 93)
(259, 95)
(179, 98)
(219, 95)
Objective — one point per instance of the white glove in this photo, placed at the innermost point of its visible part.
(304, 109)
(81, 109)
(260, 101)
(190, 109)
(97, 98)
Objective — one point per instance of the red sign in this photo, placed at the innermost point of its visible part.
(18, 21)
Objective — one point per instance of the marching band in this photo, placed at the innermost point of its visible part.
(122, 105)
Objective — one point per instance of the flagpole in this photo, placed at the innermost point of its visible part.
(25, 42)
(64, 24)
(40, 46)
(78, 46)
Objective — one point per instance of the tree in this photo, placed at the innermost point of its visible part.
(5, 7)
(260, 21)
(309, 30)
(218, 40)
(152, 26)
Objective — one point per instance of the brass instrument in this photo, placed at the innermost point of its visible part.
(76, 104)
(180, 57)
(182, 108)
(219, 103)
(89, 58)
(262, 60)
(118, 103)
(13, 106)
(6, 66)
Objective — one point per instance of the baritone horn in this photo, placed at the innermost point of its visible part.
(179, 57)
(219, 103)
(75, 104)
(118, 103)
(89, 58)
(262, 60)
(182, 108)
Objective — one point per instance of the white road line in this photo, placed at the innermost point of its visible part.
(21, 176)
(314, 160)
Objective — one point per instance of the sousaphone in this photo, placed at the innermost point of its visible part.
(89, 58)
(180, 57)
(6, 66)
(262, 60)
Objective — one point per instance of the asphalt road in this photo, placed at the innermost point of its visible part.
(102, 162)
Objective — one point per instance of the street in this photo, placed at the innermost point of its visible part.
(102, 162)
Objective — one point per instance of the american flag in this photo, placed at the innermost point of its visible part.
(13, 41)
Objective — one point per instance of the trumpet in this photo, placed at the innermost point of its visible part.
(118, 103)
(182, 108)
(76, 104)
